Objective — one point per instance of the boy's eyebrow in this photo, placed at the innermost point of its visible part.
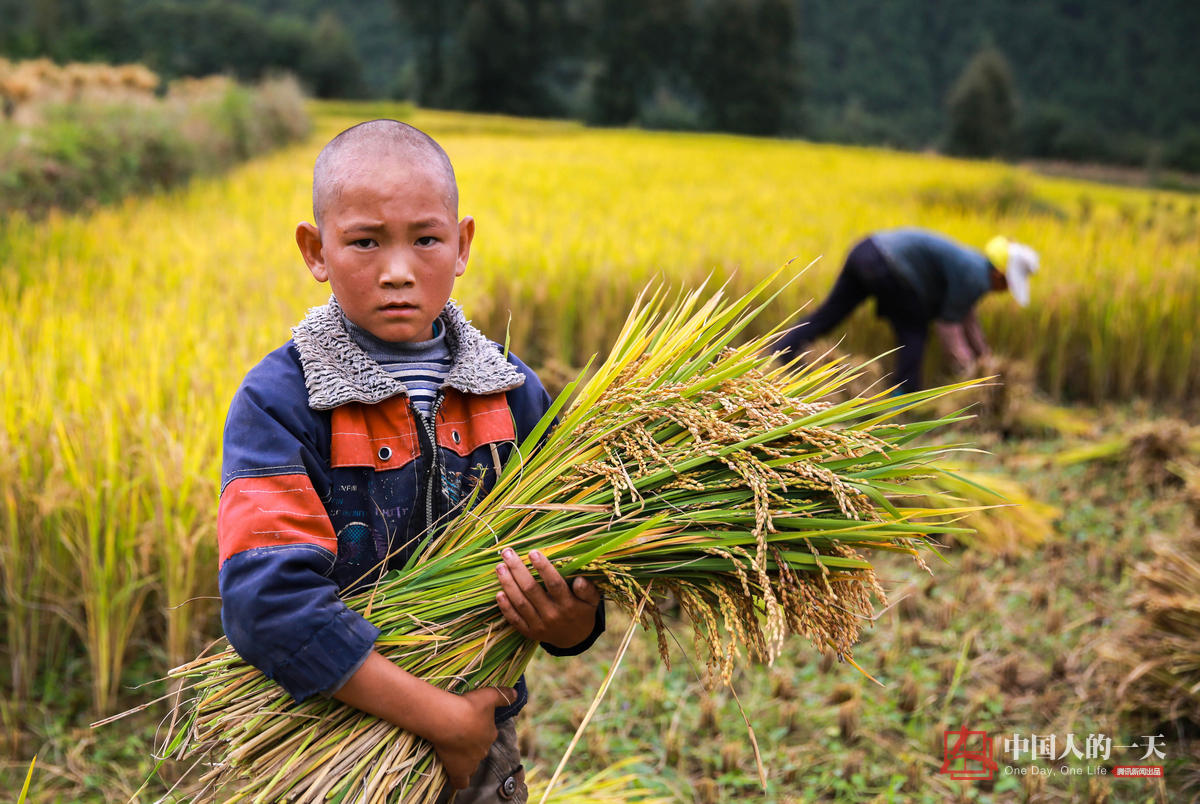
(377, 226)
(363, 226)
(427, 223)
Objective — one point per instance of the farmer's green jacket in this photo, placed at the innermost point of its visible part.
(328, 469)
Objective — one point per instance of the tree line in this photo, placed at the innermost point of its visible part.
(1101, 81)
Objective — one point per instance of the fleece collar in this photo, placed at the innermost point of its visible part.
(337, 370)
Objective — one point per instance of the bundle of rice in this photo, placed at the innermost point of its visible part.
(869, 377)
(1154, 656)
(1146, 451)
(684, 464)
(1007, 519)
(1009, 404)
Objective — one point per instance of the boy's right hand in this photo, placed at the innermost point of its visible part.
(471, 727)
(461, 728)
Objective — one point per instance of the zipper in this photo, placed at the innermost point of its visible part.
(430, 426)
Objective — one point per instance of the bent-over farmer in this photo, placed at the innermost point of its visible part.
(917, 277)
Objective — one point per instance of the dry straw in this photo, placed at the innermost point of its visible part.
(1152, 657)
(685, 464)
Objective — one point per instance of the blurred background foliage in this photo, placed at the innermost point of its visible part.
(1104, 81)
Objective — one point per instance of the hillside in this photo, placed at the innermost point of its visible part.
(1102, 81)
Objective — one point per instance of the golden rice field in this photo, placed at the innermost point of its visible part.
(128, 329)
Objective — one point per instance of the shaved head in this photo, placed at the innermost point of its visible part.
(361, 148)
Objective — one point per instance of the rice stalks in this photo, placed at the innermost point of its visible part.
(1008, 403)
(613, 785)
(1147, 450)
(684, 463)
(1006, 521)
(1153, 658)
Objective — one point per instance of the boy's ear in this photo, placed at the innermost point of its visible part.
(466, 234)
(308, 238)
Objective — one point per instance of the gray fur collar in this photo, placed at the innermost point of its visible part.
(337, 370)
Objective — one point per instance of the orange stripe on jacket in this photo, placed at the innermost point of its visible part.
(271, 511)
(466, 422)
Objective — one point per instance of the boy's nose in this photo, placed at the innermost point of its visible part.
(397, 271)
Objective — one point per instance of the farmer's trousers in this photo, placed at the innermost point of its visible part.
(500, 778)
(867, 274)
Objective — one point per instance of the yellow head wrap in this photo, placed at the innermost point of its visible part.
(997, 252)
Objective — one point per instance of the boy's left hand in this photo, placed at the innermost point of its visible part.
(551, 611)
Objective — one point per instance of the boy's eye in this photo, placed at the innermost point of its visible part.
(427, 240)
(365, 242)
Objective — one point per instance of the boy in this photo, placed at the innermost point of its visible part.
(346, 446)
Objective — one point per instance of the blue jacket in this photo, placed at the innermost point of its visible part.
(948, 277)
(328, 469)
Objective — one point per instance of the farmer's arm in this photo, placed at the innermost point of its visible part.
(974, 334)
(954, 337)
(460, 727)
(565, 618)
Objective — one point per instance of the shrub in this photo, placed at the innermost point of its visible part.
(670, 110)
(75, 154)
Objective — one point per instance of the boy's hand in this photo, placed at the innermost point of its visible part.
(551, 611)
(472, 723)
(461, 728)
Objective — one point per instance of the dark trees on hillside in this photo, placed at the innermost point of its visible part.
(431, 26)
(177, 38)
(727, 64)
(1103, 81)
(501, 58)
(982, 107)
(746, 74)
(643, 55)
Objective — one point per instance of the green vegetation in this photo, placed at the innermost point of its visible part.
(103, 143)
(983, 108)
(1102, 81)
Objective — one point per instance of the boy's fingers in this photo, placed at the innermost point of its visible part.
(586, 591)
(556, 587)
(512, 615)
(518, 596)
(502, 696)
(523, 578)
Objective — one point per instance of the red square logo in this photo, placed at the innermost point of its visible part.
(968, 754)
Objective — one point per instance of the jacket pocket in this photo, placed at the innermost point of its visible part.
(381, 436)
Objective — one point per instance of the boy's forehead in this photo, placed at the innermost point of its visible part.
(376, 168)
(364, 162)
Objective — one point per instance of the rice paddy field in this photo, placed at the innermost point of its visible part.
(127, 330)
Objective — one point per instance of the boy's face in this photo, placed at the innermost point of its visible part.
(390, 246)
